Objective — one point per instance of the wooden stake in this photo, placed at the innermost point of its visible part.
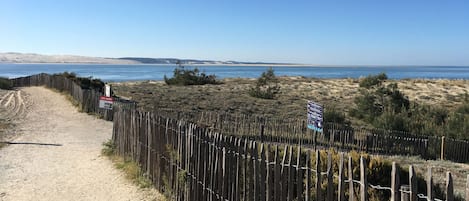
(429, 185)
(413, 184)
(363, 180)
(442, 152)
(449, 187)
(395, 183)
(341, 185)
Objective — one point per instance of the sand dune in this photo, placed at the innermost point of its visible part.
(12, 57)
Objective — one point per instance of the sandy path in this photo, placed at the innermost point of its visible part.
(57, 153)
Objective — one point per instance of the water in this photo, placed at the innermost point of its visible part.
(157, 72)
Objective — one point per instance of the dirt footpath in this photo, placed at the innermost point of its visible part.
(55, 152)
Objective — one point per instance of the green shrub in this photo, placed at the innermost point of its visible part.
(5, 83)
(266, 86)
(384, 106)
(392, 121)
(184, 77)
(331, 114)
(367, 107)
(373, 80)
(457, 125)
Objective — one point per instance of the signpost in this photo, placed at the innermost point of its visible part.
(107, 90)
(106, 102)
(315, 116)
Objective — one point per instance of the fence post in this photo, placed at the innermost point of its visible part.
(429, 184)
(363, 180)
(395, 183)
(291, 173)
(350, 179)
(449, 187)
(299, 172)
(405, 193)
(262, 133)
(308, 176)
(263, 174)
(330, 186)
(467, 188)
(413, 183)
(318, 175)
(442, 151)
(341, 185)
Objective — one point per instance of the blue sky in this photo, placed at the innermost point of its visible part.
(353, 32)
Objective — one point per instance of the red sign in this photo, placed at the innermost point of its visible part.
(104, 98)
(106, 102)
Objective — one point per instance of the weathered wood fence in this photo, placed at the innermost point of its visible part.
(263, 129)
(190, 162)
(87, 99)
(340, 137)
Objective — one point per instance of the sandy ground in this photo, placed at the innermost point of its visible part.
(55, 152)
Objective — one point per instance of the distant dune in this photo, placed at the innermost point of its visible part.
(14, 57)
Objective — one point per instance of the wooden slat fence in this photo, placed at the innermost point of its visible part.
(231, 157)
(190, 162)
(340, 137)
(87, 99)
(287, 131)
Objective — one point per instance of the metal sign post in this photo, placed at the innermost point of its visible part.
(107, 90)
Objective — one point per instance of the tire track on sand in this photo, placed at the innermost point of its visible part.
(14, 105)
(57, 155)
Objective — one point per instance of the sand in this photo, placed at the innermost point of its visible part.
(55, 152)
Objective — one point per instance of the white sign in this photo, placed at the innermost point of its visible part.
(106, 102)
(315, 116)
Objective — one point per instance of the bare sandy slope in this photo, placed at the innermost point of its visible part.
(56, 152)
(12, 57)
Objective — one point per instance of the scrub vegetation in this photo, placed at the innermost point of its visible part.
(425, 107)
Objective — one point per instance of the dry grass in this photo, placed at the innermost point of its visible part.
(447, 93)
(232, 96)
(4, 126)
(129, 167)
(459, 171)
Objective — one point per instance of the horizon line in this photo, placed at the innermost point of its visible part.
(240, 63)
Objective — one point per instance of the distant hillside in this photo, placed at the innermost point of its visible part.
(14, 57)
(192, 61)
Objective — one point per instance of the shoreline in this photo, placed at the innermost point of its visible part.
(299, 79)
(240, 65)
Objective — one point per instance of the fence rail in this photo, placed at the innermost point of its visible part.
(87, 99)
(340, 137)
(288, 131)
(189, 162)
(223, 157)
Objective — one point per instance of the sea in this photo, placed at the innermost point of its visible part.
(142, 72)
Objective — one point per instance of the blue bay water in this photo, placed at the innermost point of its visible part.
(108, 72)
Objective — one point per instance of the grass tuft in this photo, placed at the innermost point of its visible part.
(131, 169)
(5, 83)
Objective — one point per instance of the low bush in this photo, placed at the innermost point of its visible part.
(5, 83)
(266, 86)
(185, 77)
(373, 80)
